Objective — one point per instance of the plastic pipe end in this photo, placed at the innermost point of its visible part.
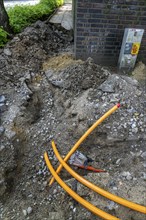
(118, 105)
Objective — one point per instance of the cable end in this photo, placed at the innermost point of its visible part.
(118, 105)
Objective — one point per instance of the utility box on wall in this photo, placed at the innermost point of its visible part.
(130, 48)
(100, 25)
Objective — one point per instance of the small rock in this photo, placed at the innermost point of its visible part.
(24, 212)
(112, 183)
(2, 129)
(96, 105)
(45, 183)
(109, 84)
(49, 74)
(2, 99)
(29, 210)
(30, 195)
(129, 177)
(112, 205)
(2, 148)
(55, 191)
(7, 52)
(10, 134)
(143, 155)
(40, 172)
(135, 130)
(115, 188)
(74, 209)
(133, 125)
(71, 207)
(1, 105)
(118, 161)
(125, 174)
(129, 80)
(144, 176)
(57, 83)
(67, 104)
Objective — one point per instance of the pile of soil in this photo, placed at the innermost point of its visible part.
(47, 95)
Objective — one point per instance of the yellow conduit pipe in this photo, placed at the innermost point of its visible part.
(102, 192)
(82, 201)
(85, 135)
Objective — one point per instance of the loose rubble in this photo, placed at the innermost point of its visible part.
(45, 94)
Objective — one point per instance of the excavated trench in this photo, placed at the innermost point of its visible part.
(51, 96)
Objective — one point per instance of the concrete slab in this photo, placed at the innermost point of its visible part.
(67, 21)
(64, 17)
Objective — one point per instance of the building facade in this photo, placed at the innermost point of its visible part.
(100, 24)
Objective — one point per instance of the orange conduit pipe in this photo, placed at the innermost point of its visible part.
(102, 192)
(85, 135)
(82, 201)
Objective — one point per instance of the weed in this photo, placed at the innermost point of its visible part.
(3, 37)
(22, 16)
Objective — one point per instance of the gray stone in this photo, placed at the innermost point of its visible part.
(58, 83)
(24, 212)
(115, 188)
(2, 99)
(25, 90)
(54, 191)
(144, 176)
(74, 209)
(67, 21)
(49, 74)
(67, 104)
(135, 130)
(96, 105)
(45, 183)
(125, 174)
(129, 80)
(64, 17)
(133, 125)
(2, 129)
(109, 84)
(118, 161)
(2, 105)
(9, 133)
(7, 52)
(129, 177)
(9, 119)
(143, 155)
(2, 147)
(29, 210)
(112, 205)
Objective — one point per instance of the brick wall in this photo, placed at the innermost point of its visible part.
(100, 24)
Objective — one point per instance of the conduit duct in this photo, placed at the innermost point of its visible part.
(74, 195)
(95, 188)
(85, 135)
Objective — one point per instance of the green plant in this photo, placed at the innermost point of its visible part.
(3, 37)
(22, 16)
